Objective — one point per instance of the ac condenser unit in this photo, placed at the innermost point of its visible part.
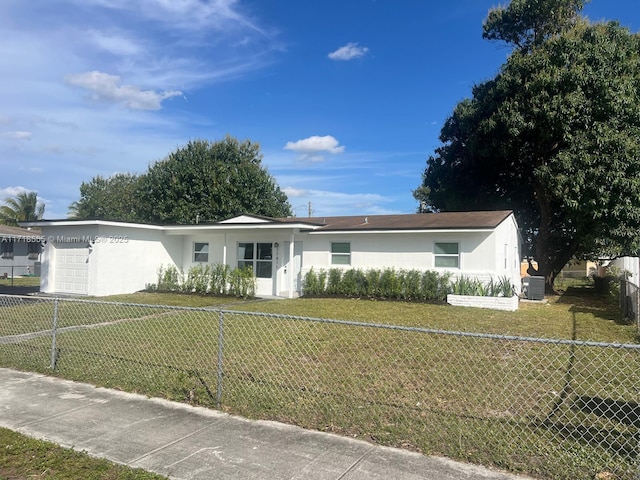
(533, 288)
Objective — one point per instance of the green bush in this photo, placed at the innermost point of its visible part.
(169, 279)
(207, 279)
(197, 280)
(219, 279)
(474, 287)
(334, 282)
(242, 283)
(411, 285)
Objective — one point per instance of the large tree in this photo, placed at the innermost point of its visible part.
(200, 182)
(23, 207)
(206, 182)
(554, 136)
(111, 198)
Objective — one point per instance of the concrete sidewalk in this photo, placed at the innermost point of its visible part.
(185, 442)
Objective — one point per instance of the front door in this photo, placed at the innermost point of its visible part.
(259, 257)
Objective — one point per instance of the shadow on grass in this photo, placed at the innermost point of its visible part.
(584, 299)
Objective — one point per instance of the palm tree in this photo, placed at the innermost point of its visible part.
(24, 207)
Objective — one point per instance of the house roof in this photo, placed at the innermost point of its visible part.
(479, 220)
(416, 221)
(7, 231)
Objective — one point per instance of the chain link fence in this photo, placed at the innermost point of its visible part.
(549, 408)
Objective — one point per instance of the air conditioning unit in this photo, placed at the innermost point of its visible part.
(533, 288)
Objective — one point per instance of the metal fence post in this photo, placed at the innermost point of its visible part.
(220, 347)
(54, 329)
(637, 312)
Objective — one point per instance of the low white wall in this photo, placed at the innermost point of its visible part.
(509, 304)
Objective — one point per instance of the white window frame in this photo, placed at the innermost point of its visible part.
(200, 252)
(256, 261)
(336, 255)
(437, 255)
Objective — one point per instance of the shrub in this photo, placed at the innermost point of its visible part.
(333, 281)
(219, 279)
(242, 283)
(411, 285)
(169, 279)
(353, 283)
(474, 287)
(197, 280)
(312, 283)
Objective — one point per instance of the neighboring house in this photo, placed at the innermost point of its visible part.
(20, 251)
(579, 269)
(97, 257)
(629, 266)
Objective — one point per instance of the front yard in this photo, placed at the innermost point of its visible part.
(526, 406)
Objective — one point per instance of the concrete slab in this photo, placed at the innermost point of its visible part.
(194, 443)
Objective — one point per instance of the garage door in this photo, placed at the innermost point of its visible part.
(72, 268)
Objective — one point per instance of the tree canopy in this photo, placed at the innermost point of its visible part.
(200, 182)
(555, 136)
(526, 23)
(112, 198)
(24, 207)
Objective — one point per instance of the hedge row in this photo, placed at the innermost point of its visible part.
(411, 285)
(389, 283)
(207, 280)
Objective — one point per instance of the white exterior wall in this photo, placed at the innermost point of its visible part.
(20, 263)
(404, 251)
(482, 253)
(128, 259)
(630, 265)
(508, 243)
(121, 259)
(55, 237)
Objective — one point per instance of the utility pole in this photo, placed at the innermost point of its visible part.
(310, 211)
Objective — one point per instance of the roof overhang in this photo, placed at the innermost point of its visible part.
(88, 223)
(421, 230)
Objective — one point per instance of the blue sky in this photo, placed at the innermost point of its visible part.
(345, 97)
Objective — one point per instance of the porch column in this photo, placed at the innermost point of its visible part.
(224, 250)
(291, 263)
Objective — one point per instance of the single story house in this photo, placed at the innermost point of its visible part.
(98, 257)
(20, 251)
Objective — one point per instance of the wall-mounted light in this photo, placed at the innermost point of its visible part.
(275, 244)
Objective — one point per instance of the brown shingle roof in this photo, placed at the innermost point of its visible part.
(416, 221)
(7, 231)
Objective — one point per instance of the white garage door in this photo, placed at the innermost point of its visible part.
(72, 268)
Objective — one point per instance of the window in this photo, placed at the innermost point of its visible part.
(258, 257)
(340, 253)
(6, 248)
(200, 252)
(446, 255)
(33, 250)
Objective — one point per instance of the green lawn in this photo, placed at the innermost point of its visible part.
(24, 458)
(526, 407)
(20, 282)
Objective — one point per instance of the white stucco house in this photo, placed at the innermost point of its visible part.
(97, 257)
(20, 251)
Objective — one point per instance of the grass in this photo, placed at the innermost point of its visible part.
(22, 457)
(513, 405)
(20, 282)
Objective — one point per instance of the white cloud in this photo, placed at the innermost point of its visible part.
(114, 44)
(107, 87)
(19, 135)
(348, 52)
(11, 192)
(310, 148)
